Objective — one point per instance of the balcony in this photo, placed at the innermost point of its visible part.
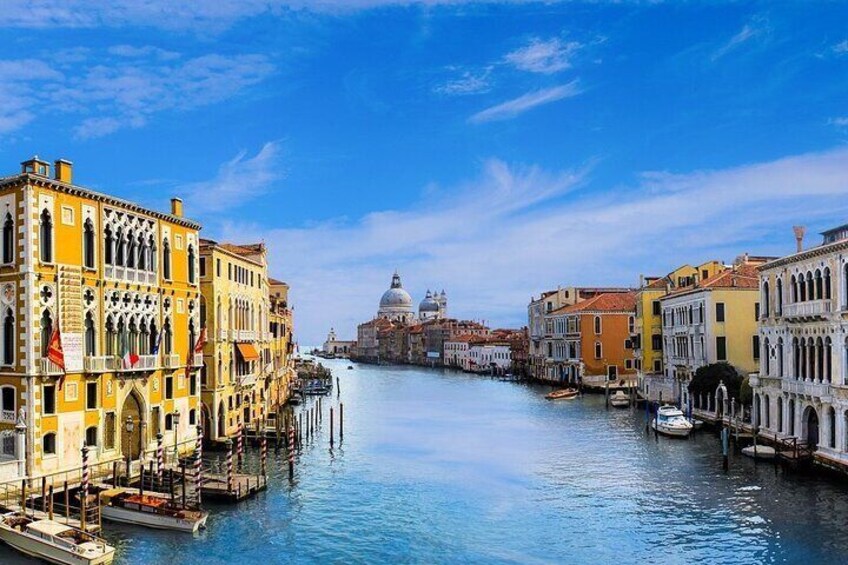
(222, 334)
(247, 380)
(809, 310)
(171, 360)
(128, 274)
(48, 367)
(7, 416)
(198, 360)
(93, 364)
(146, 363)
(808, 388)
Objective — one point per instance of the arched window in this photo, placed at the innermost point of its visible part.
(46, 331)
(778, 297)
(8, 239)
(166, 259)
(780, 357)
(802, 288)
(191, 260)
(766, 355)
(597, 325)
(8, 338)
(48, 444)
(166, 337)
(91, 436)
(154, 336)
(811, 287)
(796, 358)
(831, 427)
(142, 253)
(46, 236)
(110, 336)
(109, 245)
(764, 300)
(151, 250)
(122, 336)
(598, 350)
(203, 323)
(827, 282)
(828, 359)
(819, 285)
(766, 412)
(144, 342)
(191, 335)
(119, 248)
(88, 243)
(819, 359)
(90, 336)
(794, 286)
(133, 345)
(131, 250)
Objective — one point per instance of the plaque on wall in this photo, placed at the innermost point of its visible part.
(72, 347)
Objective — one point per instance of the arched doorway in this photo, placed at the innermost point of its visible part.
(812, 421)
(131, 440)
(222, 422)
(206, 422)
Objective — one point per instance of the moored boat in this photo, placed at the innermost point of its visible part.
(122, 505)
(53, 542)
(760, 452)
(620, 399)
(563, 394)
(670, 421)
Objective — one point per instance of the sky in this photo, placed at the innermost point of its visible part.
(492, 149)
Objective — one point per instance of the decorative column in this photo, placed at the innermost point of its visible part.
(198, 463)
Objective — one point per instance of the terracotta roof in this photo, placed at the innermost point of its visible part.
(607, 302)
(660, 282)
(276, 282)
(247, 249)
(743, 276)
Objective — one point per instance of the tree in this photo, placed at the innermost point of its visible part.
(708, 377)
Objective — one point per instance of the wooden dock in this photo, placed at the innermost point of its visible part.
(215, 487)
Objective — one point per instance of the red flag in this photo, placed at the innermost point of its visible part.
(201, 341)
(55, 353)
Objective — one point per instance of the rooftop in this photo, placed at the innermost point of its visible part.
(606, 302)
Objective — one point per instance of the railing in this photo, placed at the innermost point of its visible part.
(7, 416)
(171, 360)
(146, 362)
(129, 274)
(101, 364)
(821, 390)
(198, 360)
(48, 367)
(247, 380)
(809, 309)
(222, 334)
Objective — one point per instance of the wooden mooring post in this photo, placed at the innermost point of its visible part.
(341, 421)
(50, 505)
(331, 426)
(67, 502)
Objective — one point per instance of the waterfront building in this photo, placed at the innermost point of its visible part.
(488, 355)
(415, 347)
(799, 390)
(593, 343)
(434, 306)
(456, 351)
(239, 355)
(648, 338)
(367, 340)
(117, 286)
(712, 320)
(334, 346)
(281, 325)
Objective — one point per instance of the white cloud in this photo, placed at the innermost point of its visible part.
(516, 106)
(238, 181)
(839, 122)
(108, 94)
(517, 230)
(756, 27)
(469, 82)
(550, 56)
(841, 48)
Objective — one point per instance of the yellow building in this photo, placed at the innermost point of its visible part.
(241, 382)
(281, 344)
(115, 278)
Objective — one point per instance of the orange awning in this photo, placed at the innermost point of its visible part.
(248, 352)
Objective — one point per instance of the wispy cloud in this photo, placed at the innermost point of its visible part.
(107, 94)
(839, 122)
(544, 56)
(238, 181)
(516, 106)
(758, 26)
(840, 48)
(469, 82)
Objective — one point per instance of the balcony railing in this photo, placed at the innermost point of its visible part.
(7, 416)
(48, 367)
(171, 360)
(807, 388)
(222, 334)
(198, 360)
(129, 275)
(809, 309)
(93, 364)
(146, 362)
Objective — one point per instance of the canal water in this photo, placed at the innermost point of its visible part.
(443, 467)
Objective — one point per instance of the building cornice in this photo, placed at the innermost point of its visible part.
(74, 190)
(806, 254)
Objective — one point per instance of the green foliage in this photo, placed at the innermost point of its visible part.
(746, 393)
(708, 377)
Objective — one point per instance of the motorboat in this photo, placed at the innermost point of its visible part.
(151, 511)
(563, 394)
(760, 452)
(295, 398)
(620, 399)
(670, 421)
(53, 542)
(350, 367)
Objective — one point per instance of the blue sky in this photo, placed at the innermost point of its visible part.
(494, 149)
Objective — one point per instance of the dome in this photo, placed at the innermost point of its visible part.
(429, 304)
(396, 299)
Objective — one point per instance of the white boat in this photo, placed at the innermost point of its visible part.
(620, 399)
(53, 542)
(150, 511)
(670, 421)
(759, 452)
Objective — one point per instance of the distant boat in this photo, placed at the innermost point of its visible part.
(563, 394)
(121, 505)
(53, 542)
(670, 421)
(760, 452)
(620, 399)
(350, 367)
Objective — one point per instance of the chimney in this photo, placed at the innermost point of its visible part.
(177, 207)
(799, 237)
(64, 171)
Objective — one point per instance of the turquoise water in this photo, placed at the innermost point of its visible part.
(443, 467)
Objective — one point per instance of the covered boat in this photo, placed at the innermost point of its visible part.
(670, 421)
(760, 452)
(620, 399)
(563, 394)
(151, 511)
(53, 542)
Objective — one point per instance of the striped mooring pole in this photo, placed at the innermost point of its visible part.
(229, 465)
(198, 463)
(263, 454)
(291, 452)
(84, 485)
(160, 457)
(240, 445)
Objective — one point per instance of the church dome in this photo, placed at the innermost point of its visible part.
(429, 304)
(396, 297)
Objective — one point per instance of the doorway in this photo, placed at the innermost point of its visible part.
(131, 440)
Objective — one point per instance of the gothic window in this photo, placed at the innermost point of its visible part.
(778, 296)
(46, 331)
(8, 239)
(88, 244)
(811, 290)
(133, 346)
(122, 335)
(794, 285)
(131, 250)
(154, 336)
(191, 259)
(119, 248)
(166, 260)
(151, 250)
(827, 283)
(828, 359)
(166, 337)
(764, 300)
(90, 335)
(144, 342)
(46, 236)
(142, 254)
(191, 335)
(109, 245)
(8, 338)
(780, 357)
(110, 336)
(819, 285)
